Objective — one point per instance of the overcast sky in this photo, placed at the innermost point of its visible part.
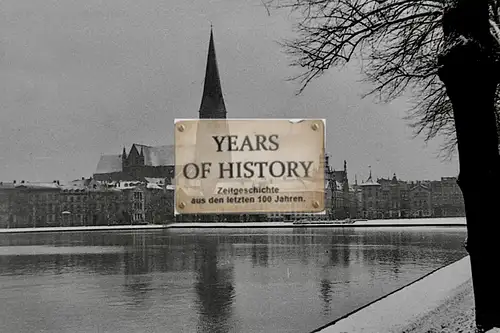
(84, 78)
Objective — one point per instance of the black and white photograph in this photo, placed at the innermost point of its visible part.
(249, 166)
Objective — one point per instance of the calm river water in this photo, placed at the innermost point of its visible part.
(252, 280)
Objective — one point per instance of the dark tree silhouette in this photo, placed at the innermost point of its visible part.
(445, 53)
(468, 66)
(397, 42)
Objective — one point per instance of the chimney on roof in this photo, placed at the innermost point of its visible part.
(83, 178)
(14, 181)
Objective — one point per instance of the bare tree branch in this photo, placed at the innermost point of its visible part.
(397, 39)
(266, 7)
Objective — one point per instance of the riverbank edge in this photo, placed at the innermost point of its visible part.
(221, 226)
(402, 308)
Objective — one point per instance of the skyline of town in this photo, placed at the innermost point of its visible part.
(139, 186)
(353, 178)
(248, 166)
(90, 201)
(91, 84)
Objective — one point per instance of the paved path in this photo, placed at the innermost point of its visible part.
(194, 225)
(320, 224)
(87, 228)
(408, 309)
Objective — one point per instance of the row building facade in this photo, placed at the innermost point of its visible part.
(85, 202)
(394, 198)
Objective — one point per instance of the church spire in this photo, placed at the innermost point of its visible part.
(394, 180)
(370, 176)
(212, 101)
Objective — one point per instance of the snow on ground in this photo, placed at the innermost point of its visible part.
(454, 315)
(411, 308)
(442, 220)
(83, 228)
(263, 224)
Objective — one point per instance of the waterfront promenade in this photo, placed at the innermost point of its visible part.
(452, 222)
(442, 301)
(372, 259)
(427, 305)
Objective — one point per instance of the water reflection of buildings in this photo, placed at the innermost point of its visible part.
(272, 248)
(214, 288)
(260, 253)
(137, 264)
(191, 279)
(326, 295)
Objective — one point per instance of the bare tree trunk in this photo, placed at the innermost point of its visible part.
(468, 70)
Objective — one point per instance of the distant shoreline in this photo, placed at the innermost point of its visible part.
(240, 225)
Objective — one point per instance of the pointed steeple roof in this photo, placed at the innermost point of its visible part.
(370, 181)
(370, 176)
(394, 180)
(212, 101)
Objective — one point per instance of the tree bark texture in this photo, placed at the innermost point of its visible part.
(468, 68)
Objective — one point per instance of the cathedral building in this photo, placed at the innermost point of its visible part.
(140, 162)
(143, 161)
